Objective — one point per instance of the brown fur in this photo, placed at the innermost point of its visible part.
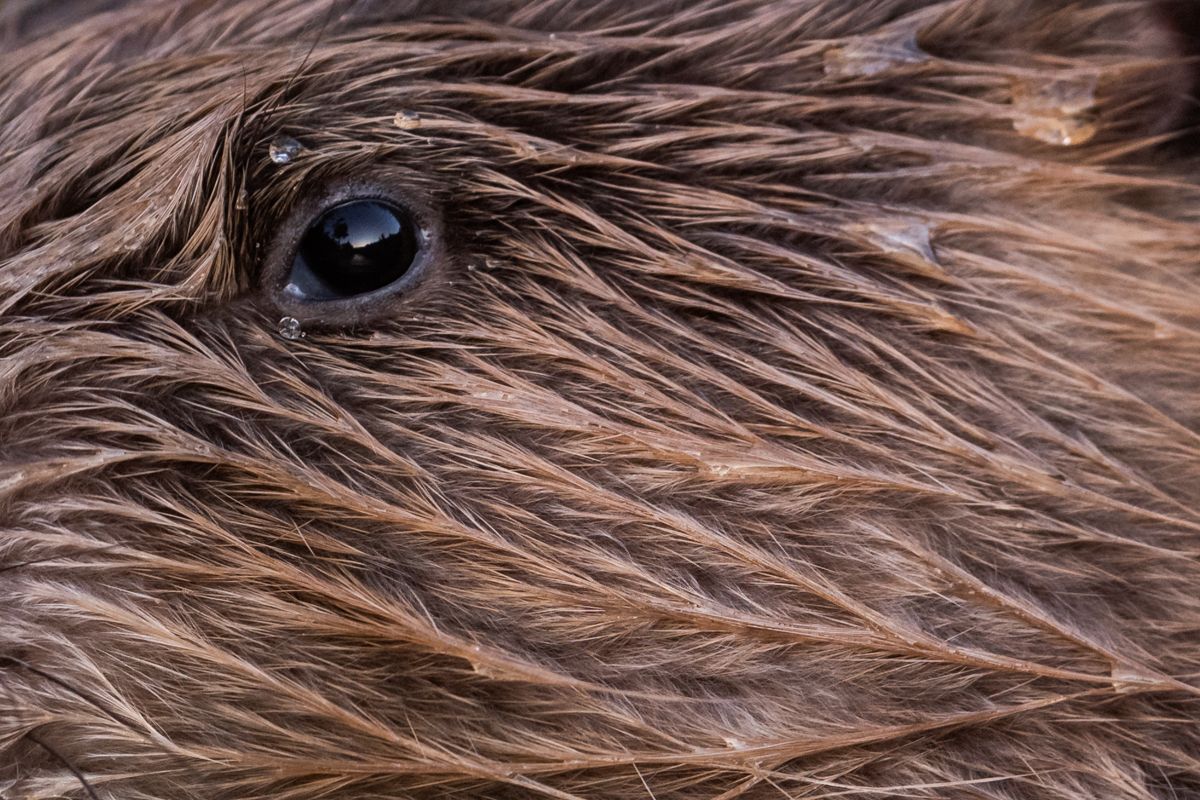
(700, 473)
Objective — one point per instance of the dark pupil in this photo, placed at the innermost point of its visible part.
(353, 248)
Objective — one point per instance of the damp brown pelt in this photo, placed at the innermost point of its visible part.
(809, 406)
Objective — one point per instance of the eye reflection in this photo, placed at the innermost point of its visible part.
(353, 248)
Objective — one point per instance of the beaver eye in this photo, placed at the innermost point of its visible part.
(352, 252)
(354, 248)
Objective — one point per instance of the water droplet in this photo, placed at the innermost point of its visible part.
(895, 44)
(1062, 131)
(902, 236)
(1127, 678)
(1058, 111)
(867, 56)
(284, 149)
(407, 120)
(242, 201)
(291, 329)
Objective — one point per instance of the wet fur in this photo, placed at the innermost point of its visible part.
(698, 472)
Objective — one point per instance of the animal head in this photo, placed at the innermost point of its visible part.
(771, 398)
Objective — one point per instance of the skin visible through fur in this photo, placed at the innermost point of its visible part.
(806, 405)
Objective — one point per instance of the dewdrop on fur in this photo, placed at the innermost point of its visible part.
(291, 329)
(284, 149)
(902, 236)
(892, 46)
(1058, 111)
(407, 120)
(867, 56)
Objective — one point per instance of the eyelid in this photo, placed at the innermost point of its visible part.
(360, 309)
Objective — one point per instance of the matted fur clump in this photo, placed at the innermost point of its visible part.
(809, 407)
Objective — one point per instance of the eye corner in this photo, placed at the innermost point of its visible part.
(363, 275)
